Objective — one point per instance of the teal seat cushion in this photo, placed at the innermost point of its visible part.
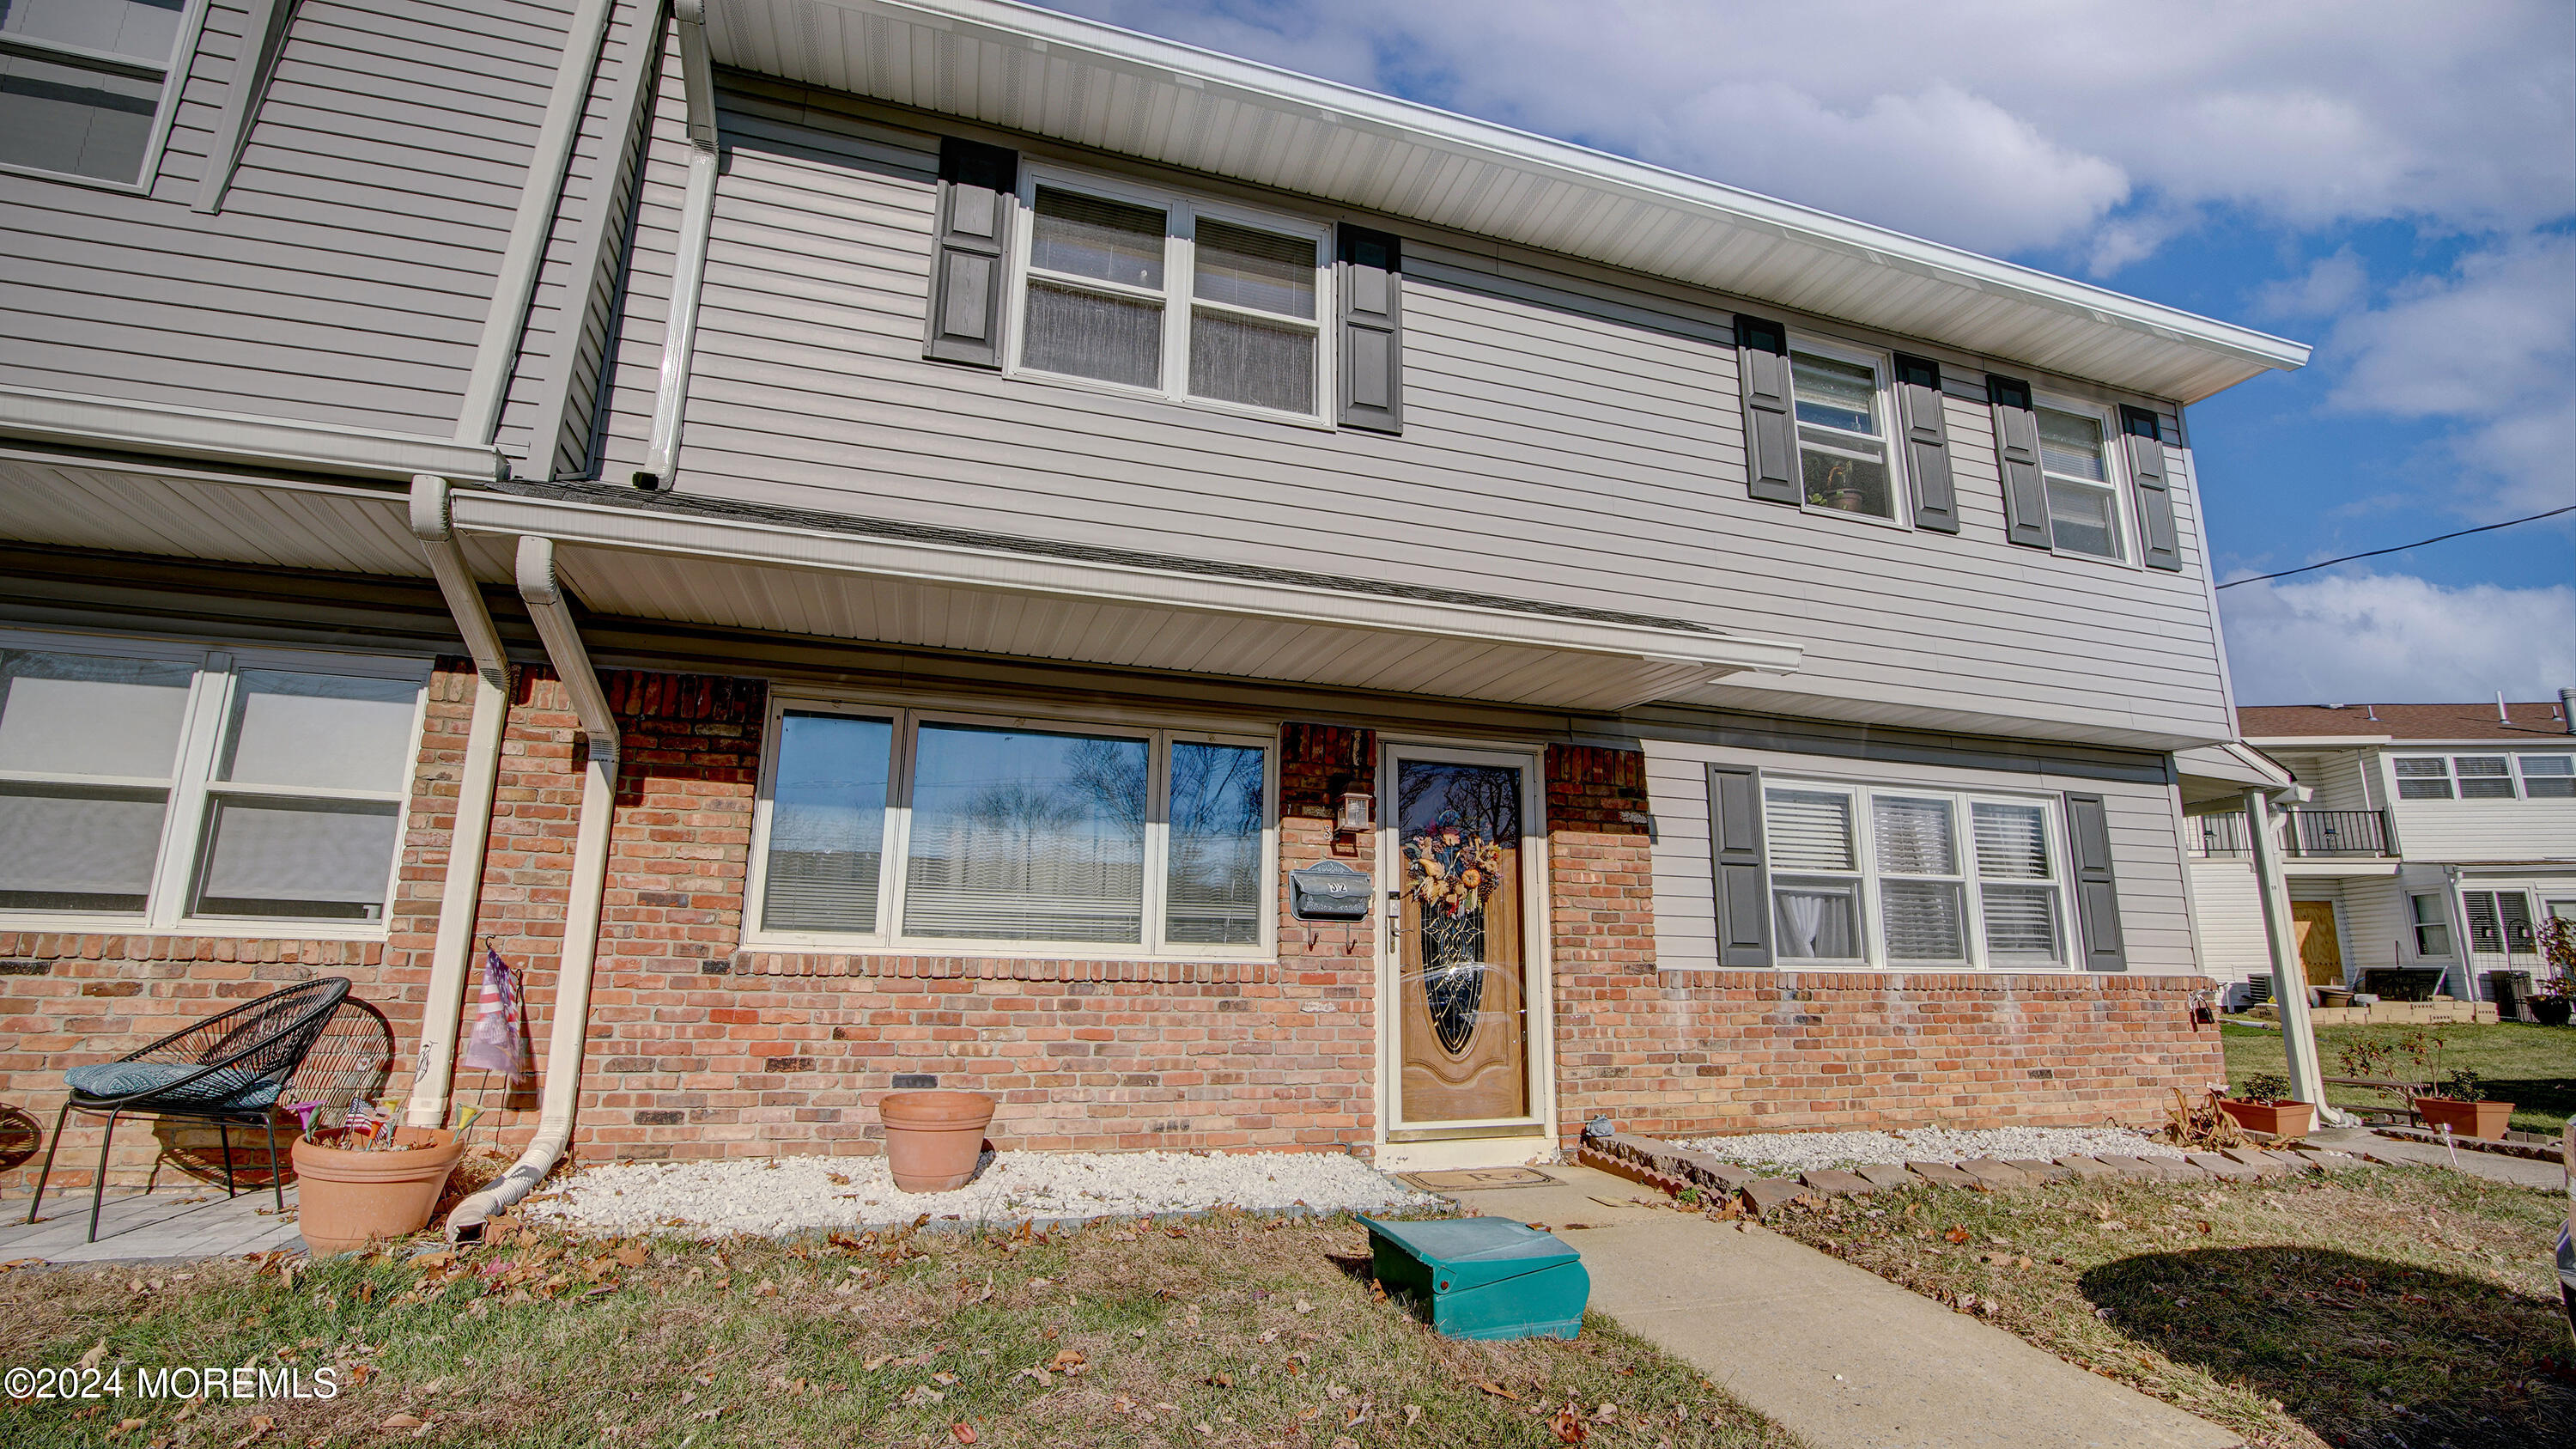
(227, 1090)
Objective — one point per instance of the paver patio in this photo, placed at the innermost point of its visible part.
(182, 1220)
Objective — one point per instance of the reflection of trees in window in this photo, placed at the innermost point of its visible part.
(1486, 798)
(1110, 775)
(1215, 879)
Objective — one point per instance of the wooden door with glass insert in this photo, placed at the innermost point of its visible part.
(2320, 952)
(1461, 983)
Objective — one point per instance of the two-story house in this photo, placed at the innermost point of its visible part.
(2438, 836)
(872, 543)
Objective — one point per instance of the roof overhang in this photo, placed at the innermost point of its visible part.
(1091, 85)
(2225, 772)
(934, 592)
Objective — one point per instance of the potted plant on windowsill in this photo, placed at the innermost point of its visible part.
(2267, 1106)
(2462, 1106)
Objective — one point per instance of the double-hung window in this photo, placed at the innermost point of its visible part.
(904, 828)
(1168, 295)
(1912, 878)
(2074, 458)
(2500, 923)
(86, 85)
(155, 787)
(2485, 777)
(1840, 400)
(2432, 925)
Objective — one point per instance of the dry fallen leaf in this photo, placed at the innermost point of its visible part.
(961, 1431)
(260, 1424)
(400, 1421)
(1955, 1235)
(1498, 1391)
(96, 1352)
(1412, 1415)
(1568, 1425)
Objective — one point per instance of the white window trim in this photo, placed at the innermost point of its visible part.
(1865, 847)
(907, 714)
(2441, 921)
(1882, 366)
(174, 84)
(191, 789)
(2116, 480)
(2451, 776)
(1182, 211)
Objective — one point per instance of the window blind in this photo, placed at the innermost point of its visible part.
(1808, 830)
(827, 823)
(2483, 777)
(313, 859)
(2012, 841)
(1019, 835)
(1913, 836)
(1923, 920)
(2021, 924)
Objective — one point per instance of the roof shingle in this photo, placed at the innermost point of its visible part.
(2531, 720)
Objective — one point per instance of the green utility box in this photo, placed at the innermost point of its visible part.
(1484, 1277)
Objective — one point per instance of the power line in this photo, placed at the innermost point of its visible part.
(2401, 548)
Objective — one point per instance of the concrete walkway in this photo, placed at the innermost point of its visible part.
(2493, 1166)
(1836, 1354)
(185, 1220)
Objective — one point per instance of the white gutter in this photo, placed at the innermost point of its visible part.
(689, 259)
(571, 1028)
(291, 444)
(451, 957)
(478, 416)
(1053, 38)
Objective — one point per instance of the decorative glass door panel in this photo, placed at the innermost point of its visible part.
(1461, 984)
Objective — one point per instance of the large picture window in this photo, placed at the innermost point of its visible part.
(159, 786)
(900, 827)
(1162, 293)
(1912, 878)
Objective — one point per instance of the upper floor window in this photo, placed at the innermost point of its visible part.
(1842, 431)
(160, 786)
(1161, 293)
(2074, 458)
(2486, 777)
(84, 84)
(896, 827)
(1904, 877)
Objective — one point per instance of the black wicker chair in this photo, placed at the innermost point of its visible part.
(228, 1070)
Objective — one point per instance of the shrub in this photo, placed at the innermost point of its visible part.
(2265, 1087)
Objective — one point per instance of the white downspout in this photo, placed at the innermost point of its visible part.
(689, 249)
(571, 1028)
(450, 961)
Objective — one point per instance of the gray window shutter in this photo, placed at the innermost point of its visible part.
(1927, 443)
(1770, 437)
(2154, 494)
(2017, 454)
(968, 265)
(1369, 267)
(2097, 895)
(1735, 857)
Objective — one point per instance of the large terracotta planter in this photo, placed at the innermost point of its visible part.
(347, 1199)
(2281, 1119)
(934, 1138)
(2468, 1119)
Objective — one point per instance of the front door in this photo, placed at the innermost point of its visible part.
(2313, 922)
(1457, 836)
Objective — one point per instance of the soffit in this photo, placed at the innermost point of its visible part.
(1038, 73)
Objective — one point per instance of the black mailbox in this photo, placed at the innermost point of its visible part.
(1328, 891)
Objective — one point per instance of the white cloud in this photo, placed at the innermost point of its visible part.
(2395, 639)
(2489, 348)
(1995, 124)
(2329, 285)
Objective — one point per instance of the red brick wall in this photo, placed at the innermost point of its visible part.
(1681, 1053)
(698, 1048)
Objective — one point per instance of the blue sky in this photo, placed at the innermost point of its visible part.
(2392, 181)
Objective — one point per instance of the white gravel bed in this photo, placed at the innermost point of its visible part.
(771, 1196)
(1790, 1153)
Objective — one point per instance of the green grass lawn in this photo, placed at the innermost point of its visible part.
(2384, 1307)
(2533, 1067)
(1237, 1331)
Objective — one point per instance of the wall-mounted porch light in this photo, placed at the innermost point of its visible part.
(1355, 815)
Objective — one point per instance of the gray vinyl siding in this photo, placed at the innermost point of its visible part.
(2146, 844)
(346, 278)
(2227, 907)
(1570, 435)
(2466, 831)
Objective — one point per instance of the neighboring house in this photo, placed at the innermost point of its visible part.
(871, 544)
(2437, 835)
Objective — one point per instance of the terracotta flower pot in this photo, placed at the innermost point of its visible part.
(2281, 1119)
(2468, 1119)
(346, 1199)
(934, 1138)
